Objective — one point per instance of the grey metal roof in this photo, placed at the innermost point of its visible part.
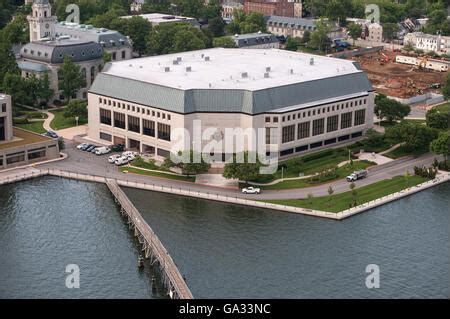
(299, 23)
(106, 38)
(55, 50)
(32, 66)
(250, 39)
(229, 100)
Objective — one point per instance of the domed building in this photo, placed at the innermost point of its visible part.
(45, 53)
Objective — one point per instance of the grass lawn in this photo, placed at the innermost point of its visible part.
(300, 183)
(340, 202)
(61, 122)
(158, 174)
(400, 152)
(36, 127)
(443, 107)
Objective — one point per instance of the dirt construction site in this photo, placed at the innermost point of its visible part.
(396, 79)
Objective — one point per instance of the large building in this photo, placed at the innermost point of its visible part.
(19, 147)
(300, 102)
(285, 8)
(229, 7)
(112, 42)
(51, 42)
(46, 56)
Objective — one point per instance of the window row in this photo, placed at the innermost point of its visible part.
(316, 111)
(133, 108)
(318, 126)
(134, 124)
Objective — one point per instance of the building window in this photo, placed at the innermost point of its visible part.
(114, 56)
(105, 116)
(271, 135)
(119, 120)
(332, 123)
(133, 124)
(288, 134)
(123, 55)
(164, 131)
(105, 137)
(4, 107)
(162, 152)
(169, 117)
(275, 119)
(360, 117)
(303, 130)
(37, 153)
(148, 128)
(267, 119)
(346, 120)
(318, 126)
(316, 145)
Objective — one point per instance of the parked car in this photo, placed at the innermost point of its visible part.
(85, 147)
(112, 159)
(130, 153)
(102, 150)
(80, 146)
(117, 148)
(94, 149)
(51, 134)
(90, 148)
(357, 175)
(251, 190)
(122, 160)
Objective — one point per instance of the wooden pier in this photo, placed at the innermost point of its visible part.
(151, 245)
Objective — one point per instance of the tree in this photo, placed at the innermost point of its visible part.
(441, 146)
(76, 108)
(292, 44)
(330, 194)
(407, 178)
(16, 86)
(446, 87)
(373, 139)
(224, 42)
(45, 92)
(8, 63)
(191, 166)
(16, 31)
(306, 37)
(438, 120)
(175, 37)
(355, 31)
(319, 38)
(70, 77)
(243, 167)
(416, 137)
(390, 30)
(217, 26)
(137, 28)
(254, 22)
(107, 57)
(390, 109)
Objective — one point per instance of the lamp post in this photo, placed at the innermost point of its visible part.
(76, 119)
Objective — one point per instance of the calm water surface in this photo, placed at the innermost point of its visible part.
(223, 250)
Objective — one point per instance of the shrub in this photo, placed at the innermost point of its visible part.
(18, 120)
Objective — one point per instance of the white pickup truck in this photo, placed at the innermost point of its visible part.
(357, 175)
(251, 190)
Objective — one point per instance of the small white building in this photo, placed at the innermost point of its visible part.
(160, 18)
(428, 42)
(6, 132)
(375, 33)
(431, 64)
(136, 6)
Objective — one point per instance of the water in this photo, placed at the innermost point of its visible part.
(48, 223)
(224, 251)
(237, 252)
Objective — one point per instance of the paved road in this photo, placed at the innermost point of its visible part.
(89, 163)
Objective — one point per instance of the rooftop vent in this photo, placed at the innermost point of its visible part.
(244, 75)
(175, 62)
(188, 69)
(266, 75)
(166, 69)
(311, 62)
(207, 58)
(179, 59)
(291, 71)
(268, 69)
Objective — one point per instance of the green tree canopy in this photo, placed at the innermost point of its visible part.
(71, 79)
(445, 88)
(417, 137)
(245, 169)
(292, 44)
(224, 42)
(137, 28)
(76, 108)
(438, 120)
(319, 38)
(389, 109)
(441, 145)
(355, 31)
